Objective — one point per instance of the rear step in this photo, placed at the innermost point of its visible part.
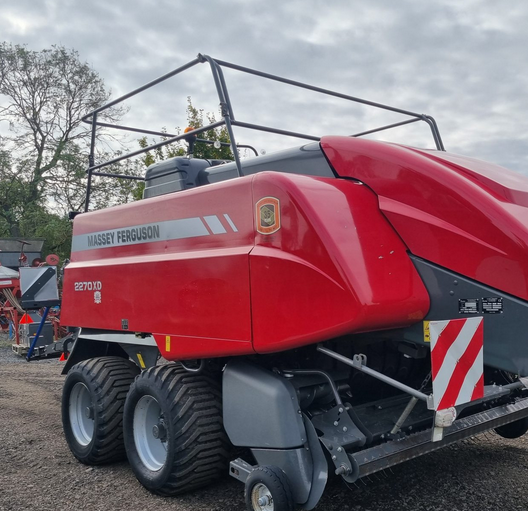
(374, 459)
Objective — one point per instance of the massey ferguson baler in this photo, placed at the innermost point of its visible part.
(337, 308)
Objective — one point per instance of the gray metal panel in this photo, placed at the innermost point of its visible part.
(173, 175)
(295, 463)
(12, 259)
(45, 294)
(260, 408)
(319, 466)
(46, 334)
(10, 250)
(116, 337)
(14, 244)
(306, 160)
(505, 333)
(176, 184)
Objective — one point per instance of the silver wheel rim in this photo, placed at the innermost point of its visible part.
(151, 449)
(261, 498)
(81, 414)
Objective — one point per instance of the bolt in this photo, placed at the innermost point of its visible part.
(342, 470)
(264, 501)
(336, 423)
(334, 457)
(345, 429)
(340, 410)
(339, 449)
(159, 431)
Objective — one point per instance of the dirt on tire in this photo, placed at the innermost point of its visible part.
(39, 473)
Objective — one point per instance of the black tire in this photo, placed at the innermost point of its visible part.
(100, 384)
(268, 482)
(513, 429)
(190, 448)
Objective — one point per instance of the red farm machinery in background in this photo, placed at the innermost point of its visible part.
(20, 324)
(339, 307)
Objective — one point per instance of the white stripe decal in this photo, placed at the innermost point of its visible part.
(454, 380)
(230, 222)
(214, 224)
(471, 380)
(182, 228)
(144, 233)
(455, 351)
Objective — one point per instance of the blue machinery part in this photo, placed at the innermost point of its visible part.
(37, 335)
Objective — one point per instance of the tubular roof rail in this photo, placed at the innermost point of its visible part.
(228, 118)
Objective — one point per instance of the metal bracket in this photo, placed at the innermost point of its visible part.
(143, 356)
(339, 432)
(240, 469)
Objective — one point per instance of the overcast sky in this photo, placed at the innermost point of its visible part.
(463, 62)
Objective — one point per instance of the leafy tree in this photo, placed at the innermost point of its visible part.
(43, 153)
(196, 118)
(43, 96)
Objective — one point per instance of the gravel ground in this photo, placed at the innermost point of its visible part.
(38, 472)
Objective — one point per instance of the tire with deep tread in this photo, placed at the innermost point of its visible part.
(105, 381)
(513, 429)
(278, 487)
(196, 445)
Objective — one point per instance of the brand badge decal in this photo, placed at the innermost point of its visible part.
(268, 215)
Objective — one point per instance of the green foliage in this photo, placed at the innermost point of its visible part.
(37, 222)
(196, 118)
(43, 157)
(160, 153)
(44, 96)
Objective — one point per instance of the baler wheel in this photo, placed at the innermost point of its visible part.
(174, 434)
(268, 489)
(93, 399)
(513, 429)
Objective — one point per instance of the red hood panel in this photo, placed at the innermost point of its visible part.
(508, 185)
(465, 215)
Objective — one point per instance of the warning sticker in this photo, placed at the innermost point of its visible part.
(492, 305)
(468, 306)
(427, 331)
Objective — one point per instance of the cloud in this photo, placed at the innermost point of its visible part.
(462, 62)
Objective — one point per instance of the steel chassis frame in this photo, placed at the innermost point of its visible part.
(228, 118)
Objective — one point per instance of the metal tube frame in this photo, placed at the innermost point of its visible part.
(228, 117)
(359, 363)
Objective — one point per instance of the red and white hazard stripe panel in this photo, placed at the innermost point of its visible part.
(457, 362)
